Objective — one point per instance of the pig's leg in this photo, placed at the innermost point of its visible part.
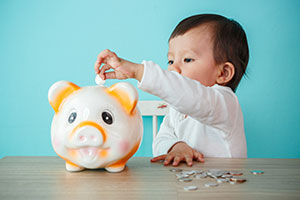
(116, 168)
(73, 168)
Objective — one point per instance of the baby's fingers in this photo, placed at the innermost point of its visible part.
(102, 71)
(189, 160)
(198, 156)
(107, 57)
(157, 158)
(96, 66)
(168, 159)
(177, 160)
(110, 58)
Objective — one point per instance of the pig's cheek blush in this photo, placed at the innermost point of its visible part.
(124, 146)
(56, 142)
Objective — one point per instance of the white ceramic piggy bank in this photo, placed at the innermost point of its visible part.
(95, 126)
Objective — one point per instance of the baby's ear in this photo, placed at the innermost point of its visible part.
(59, 91)
(226, 73)
(125, 94)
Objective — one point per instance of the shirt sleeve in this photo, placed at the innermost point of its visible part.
(215, 106)
(165, 138)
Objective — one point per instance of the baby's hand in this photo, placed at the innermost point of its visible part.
(180, 152)
(122, 69)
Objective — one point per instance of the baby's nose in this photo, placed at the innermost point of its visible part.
(175, 68)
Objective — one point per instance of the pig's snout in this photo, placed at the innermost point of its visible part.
(88, 134)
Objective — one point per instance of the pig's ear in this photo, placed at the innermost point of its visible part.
(125, 94)
(59, 91)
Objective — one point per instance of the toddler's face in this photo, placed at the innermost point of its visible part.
(191, 55)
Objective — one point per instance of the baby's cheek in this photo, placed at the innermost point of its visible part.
(124, 146)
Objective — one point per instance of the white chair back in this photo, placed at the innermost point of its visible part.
(154, 109)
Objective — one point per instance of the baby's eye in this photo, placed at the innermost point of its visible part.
(187, 60)
(170, 62)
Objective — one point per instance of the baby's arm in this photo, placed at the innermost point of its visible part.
(216, 106)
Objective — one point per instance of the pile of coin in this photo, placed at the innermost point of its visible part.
(220, 176)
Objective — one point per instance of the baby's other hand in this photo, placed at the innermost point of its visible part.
(180, 152)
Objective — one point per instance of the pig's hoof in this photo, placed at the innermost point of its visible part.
(115, 169)
(73, 168)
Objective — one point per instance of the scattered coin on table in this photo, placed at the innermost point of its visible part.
(257, 172)
(220, 176)
(175, 170)
(185, 179)
(190, 188)
(211, 185)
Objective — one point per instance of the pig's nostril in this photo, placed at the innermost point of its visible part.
(82, 138)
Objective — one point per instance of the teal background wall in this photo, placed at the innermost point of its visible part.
(42, 42)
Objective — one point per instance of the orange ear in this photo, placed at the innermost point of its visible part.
(59, 91)
(125, 94)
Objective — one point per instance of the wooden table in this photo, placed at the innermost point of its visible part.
(45, 178)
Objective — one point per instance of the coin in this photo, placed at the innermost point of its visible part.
(226, 176)
(232, 182)
(222, 180)
(237, 180)
(99, 80)
(203, 175)
(185, 179)
(235, 173)
(198, 171)
(211, 185)
(190, 188)
(257, 172)
(180, 175)
(175, 170)
(188, 172)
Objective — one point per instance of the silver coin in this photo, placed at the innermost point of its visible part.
(218, 174)
(232, 182)
(175, 170)
(222, 180)
(211, 185)
(215, 175)
(182, 175)
(226, 176)
(190, 188)
(99, 80)
(184, 179)
(188, 172)
(257, 172)
(198, 171)
(199, 176)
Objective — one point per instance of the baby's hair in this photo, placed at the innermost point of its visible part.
(230, 41)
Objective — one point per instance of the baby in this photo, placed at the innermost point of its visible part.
(208, 55)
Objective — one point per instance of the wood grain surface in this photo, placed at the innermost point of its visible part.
(46, 178)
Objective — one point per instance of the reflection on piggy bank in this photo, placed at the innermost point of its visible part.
(95, 126)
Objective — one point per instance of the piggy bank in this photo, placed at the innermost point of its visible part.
(95, 126)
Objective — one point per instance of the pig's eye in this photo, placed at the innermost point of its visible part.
(72, 117)
(107, 118)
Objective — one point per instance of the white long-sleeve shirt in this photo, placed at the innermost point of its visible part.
(208, 119)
